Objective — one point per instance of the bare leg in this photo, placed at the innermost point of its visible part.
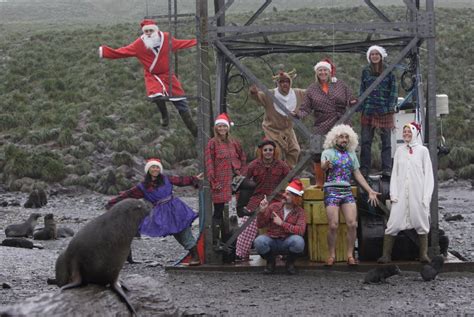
(333, 222)
(350, 214)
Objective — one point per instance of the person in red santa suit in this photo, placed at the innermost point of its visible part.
(152, 50)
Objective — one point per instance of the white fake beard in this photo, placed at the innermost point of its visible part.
(152, 41)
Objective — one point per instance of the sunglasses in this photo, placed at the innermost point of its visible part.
(267, 150)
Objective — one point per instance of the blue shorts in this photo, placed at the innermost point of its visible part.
(337, 196)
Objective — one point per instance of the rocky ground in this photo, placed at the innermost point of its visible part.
(23, 272)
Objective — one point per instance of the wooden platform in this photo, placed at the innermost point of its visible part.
(256, 264)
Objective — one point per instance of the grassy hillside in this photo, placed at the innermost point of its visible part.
(67, 116)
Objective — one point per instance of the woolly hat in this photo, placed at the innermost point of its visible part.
(295, 187)
(149, 24)
(328, 64)
(377, 48)
(223, 118)
(266, 141)
(153, 162)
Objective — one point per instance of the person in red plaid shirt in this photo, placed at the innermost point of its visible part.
(327, 99)
(225, 162)
(286, 224)
(267, 171)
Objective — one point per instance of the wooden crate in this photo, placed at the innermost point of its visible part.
(317, 232)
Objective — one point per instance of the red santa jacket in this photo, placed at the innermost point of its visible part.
(155, 63)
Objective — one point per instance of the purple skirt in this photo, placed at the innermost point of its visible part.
(168, 218)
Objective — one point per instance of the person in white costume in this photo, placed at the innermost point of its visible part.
(411, 187)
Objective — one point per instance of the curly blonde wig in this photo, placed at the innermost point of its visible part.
(336, 131)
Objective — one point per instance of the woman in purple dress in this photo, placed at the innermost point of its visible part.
(170, 215)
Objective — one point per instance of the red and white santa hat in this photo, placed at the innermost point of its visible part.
(153, 162)
(295, 187)
(223, 118)
(328, 64)
(149, 24)
(377, 48)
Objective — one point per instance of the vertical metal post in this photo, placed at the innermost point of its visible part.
(170, 52)
(175, 34)
(432, 129)
(221, 84)
(204, 119)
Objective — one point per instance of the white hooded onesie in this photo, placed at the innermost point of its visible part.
(411, 187)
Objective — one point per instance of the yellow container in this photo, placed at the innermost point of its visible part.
(317, 229)
(306, 182)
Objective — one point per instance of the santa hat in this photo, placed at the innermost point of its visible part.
(377, 48)
(328, 64)
(296, 187)
(153, 162)
(149, 24)
(223, 118)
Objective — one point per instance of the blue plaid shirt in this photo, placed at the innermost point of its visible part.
(383, 99)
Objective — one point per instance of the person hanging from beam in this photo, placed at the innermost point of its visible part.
(152, 50)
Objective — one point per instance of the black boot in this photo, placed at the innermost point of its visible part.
(246, 189)
(165, 119)
(290, 263)
(189, 123)
(271, 263)
(195, 260)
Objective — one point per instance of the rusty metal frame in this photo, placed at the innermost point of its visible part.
(232, 42)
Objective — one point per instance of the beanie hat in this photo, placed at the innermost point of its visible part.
(153, 162)
(377, 48)
(223, 118)
(328, 64)
(295, 187)
(148, 24)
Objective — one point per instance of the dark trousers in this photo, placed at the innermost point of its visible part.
(367, 136)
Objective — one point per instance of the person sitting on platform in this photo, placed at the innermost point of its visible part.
(340, 162)
(286, 224)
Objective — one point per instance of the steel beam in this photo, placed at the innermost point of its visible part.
(298, 124)
(432, 132)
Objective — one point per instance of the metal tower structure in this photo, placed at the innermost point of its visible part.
(233, 41)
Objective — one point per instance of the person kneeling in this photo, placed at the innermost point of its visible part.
(286, 224)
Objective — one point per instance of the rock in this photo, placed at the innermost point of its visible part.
(148, 296)
(6, 286)
(3, 203)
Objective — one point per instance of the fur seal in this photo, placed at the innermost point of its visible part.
(97, 252)
(64, 232)
(49, 231)
(18, 243)
(431, 270)
(379, 274)
(24, 229)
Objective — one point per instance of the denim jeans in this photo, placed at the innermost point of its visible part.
(181, 105)
(293, 243)
(367, 136)
(185, 238)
